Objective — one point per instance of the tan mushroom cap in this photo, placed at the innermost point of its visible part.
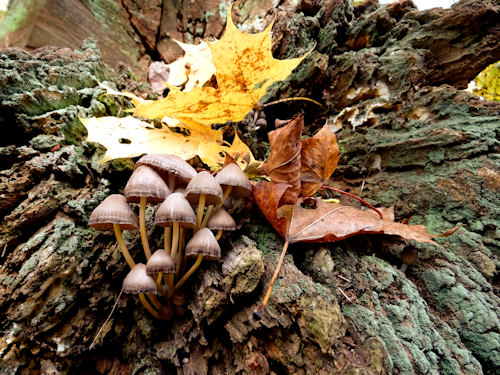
(221, 220)
(203, 243)
(175, 208)
(204, 183)
(146, 182)
(167, 163)
(160, 261)
(113, 210)
(232, 175)
(138, 281)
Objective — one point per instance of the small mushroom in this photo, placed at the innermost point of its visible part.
(145, 185)
(232, 180)
(201, 190)
(114, 213)
(408, 257)
(176, 212)
(161, 263)
(220, 221)
(203, 244)
(172, 166)
(138, 282)
(179, 298)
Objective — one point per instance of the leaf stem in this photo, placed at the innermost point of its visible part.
(355, 197)
(262, 306)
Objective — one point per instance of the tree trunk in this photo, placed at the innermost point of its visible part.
(391, 78)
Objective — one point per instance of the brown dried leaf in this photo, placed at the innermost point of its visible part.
(319, 158)
(283, 163)
(328, 222)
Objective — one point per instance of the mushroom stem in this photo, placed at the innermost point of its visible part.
(179, 256)
(142, 226)
(175, 241)
(227, 191)
(210, 209)
(218, 235)
(190, 272)
(273, 279)
(201, 208)
(159, 285)
(170, 284)
(148, 307)
(155, 301)
(167, 234)
(123, 247)
(403, 268)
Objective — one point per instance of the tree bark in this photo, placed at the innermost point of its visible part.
(391, 78)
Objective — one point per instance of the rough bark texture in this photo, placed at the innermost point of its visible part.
(390, 77)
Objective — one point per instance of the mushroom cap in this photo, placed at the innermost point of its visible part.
(232, 175)
(221, 220)
(138, 281)
(160, 261)
(204, 183)
(409, 255)
(167, 163)
(175, 208)
(146, 182)
(204, 243)
(113, 210)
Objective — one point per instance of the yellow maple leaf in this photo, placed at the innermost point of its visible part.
(245, 68)
(130, 137)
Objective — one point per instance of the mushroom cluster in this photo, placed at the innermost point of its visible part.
(189, 206)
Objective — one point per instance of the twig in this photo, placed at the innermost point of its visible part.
(107, 319)
(345, 295)
(343, 278)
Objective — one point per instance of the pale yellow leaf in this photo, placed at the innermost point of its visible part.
(214, 156)
(129, 137)
(194, 68)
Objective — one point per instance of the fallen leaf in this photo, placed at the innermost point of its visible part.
(213, 154)
(318, 159)
(283, 163)
(267, 196)
(328, 222)
(193, 69)
(129, 137)
(245, 68)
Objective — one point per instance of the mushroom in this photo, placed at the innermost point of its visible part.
(173, 166)
(201, 190)
(161, 263)
(179, 298)
(409, 256)
(114, 213)
(220, 221)
(203, 244)
(145, 185)
(232, 180)
(138, 282)
(175, 212)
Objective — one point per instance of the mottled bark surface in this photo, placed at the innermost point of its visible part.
(390, 77)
